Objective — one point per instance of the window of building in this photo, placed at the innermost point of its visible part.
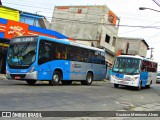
(30, 21)
(107, 39)
(79, 11)
(110, 18)
(114, 41)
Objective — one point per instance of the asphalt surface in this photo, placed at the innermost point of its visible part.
(100, 96)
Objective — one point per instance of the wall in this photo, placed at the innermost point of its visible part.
(87, 25)
(136, 46)
(74, 25)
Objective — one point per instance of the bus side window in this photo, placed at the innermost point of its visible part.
(57, 53)
(63, 52)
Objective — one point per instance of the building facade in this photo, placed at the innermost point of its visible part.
(34, 19)
(91, 25)
(132, 46)
(15, 23)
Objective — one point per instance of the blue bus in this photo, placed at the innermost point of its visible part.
(40, 58)
(135, 71)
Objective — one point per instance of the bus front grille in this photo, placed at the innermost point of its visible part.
(18, 75)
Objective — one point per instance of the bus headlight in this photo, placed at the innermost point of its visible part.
(32, 69)
(134, 78)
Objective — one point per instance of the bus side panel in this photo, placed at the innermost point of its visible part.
(46, 70)
(103, 72)
(78, 70)
(97, 71)
(152, 77)
(144, 78)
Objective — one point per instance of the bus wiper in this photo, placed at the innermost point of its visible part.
(134, 70)
(23, 49)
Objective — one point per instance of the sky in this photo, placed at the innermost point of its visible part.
(127, 10)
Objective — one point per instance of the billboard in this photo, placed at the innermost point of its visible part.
(9, 13)
(10, 29)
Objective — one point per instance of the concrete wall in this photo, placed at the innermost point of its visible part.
(136, 46)
(76, 26)
(88, 27)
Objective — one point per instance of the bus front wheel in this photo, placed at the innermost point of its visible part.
(55, 79)
(31, 82)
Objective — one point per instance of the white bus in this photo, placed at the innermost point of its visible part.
(136, 71)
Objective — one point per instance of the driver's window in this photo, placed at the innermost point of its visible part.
(44, 51)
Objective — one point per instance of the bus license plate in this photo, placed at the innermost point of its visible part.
(17, 77)
(122, 82)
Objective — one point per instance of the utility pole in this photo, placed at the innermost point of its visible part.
(151, 56)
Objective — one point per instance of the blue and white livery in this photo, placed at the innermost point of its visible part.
(133, 71)
(40, 58)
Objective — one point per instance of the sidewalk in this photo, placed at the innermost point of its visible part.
(2, 76)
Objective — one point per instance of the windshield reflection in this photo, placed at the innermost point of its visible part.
(127, 65)
(21, 54)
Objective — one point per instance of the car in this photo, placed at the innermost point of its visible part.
(158, 77)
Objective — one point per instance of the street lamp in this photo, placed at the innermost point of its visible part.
(144, 8)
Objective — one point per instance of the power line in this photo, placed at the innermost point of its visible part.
(86, 22)
(156, 3)
(31, 6)
(137, 29)
(68, 11)
(33, 3)
(154, 35)
(155, 27)
(97, 23)
(136, 18)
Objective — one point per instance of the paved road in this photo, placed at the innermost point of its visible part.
(100, 96)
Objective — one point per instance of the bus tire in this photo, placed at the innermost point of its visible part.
(116, 85)
(56, 78)
(66, 82)
(31, 82)
(89, 79)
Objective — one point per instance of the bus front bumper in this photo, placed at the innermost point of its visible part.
(124, 82)
(22, 76)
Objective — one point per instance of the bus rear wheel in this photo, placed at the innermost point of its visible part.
(89, 79)
(55, 79)
(66, 82)
(31, 82)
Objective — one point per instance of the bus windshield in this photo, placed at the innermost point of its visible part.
(21, 53)
(127, 65)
